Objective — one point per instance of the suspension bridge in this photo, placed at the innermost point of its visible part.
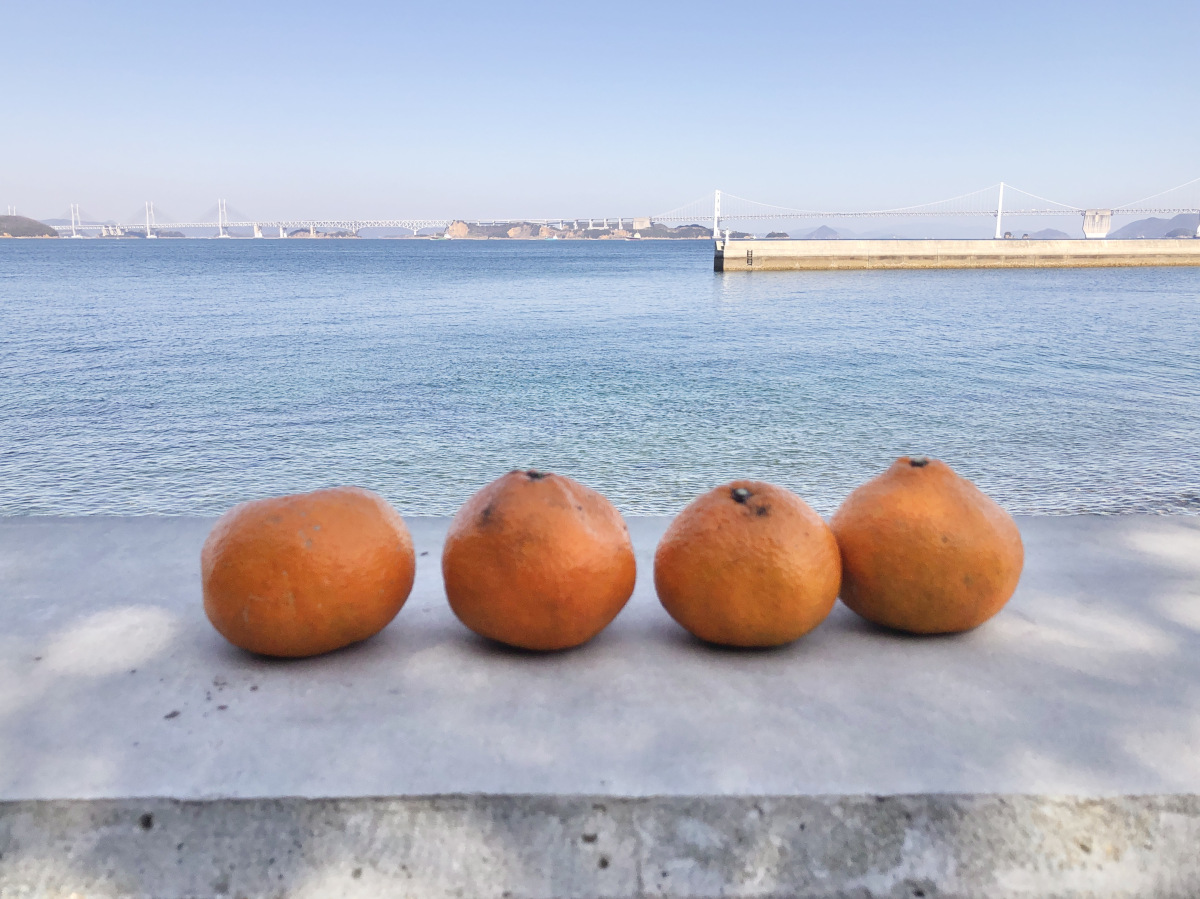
(999, 200)
(724, 210)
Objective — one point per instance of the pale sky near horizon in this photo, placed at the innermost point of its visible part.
(570, 109)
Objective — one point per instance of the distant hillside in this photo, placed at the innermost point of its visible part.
(1156, 227)
(1050, 234)
(19, 226)
(824, 232)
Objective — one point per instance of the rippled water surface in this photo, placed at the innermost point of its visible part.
(183, 376)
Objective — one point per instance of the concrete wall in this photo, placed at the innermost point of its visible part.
(791, 255)
(588, 847)
(1054, 751)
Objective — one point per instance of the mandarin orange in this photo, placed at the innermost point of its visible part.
(748, 564)
(926, 551)
(538, 561)
(306, 574)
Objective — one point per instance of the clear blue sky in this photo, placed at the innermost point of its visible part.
(538, 109)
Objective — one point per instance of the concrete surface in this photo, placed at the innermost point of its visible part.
(791, 255)
(554, 847)
(1072, 718)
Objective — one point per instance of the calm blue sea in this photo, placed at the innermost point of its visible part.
(183, 376)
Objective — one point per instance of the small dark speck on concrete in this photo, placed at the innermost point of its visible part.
(253, 687)
(603, 863)
(133, 671)
(146, 821)
(588, 837)
(425, 553)
(37, 658)
(178, 847)
(356, 873)
(666, 874)
(919, 893)
(222, 708)
(170, 715)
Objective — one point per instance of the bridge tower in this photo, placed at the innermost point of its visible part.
(221, 219)
(1000, 213)
(717, 215)
(150, 219)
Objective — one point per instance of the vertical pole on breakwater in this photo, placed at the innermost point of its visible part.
(717, 215)
(1000, 213)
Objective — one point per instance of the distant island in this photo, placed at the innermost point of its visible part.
(20, 226)
(637, 229)
(1182, 225)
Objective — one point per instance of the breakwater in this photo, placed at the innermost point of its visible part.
(816, 255)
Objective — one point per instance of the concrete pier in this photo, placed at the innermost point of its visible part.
(813, 255)
(1053, 751)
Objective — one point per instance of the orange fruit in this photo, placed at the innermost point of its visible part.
(748, 564)
(305, 574)
(926, 551)
(538, 561)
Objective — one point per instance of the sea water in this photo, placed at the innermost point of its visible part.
(183, 376)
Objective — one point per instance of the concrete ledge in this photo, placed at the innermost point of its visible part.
(806, 255)
(1053, 751)
(538, 847)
